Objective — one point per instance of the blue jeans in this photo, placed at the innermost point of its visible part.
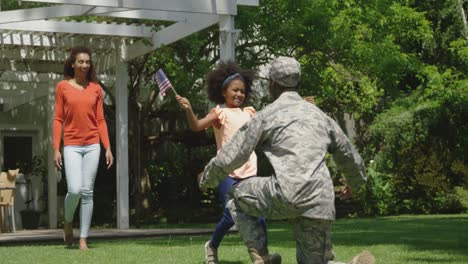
(81, 163)
(226, 221)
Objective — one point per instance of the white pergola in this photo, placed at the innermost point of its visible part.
(34, 43)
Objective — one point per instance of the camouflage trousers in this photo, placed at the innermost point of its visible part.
(255, 197)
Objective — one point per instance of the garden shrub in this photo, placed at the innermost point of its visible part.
(420, 149)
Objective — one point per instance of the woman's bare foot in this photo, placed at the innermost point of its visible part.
(68, 233)
(83, 244)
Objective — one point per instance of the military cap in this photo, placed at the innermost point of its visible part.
(286, 71)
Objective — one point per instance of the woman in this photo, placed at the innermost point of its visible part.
(79, 113)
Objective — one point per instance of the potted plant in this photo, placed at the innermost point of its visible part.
(30, 216)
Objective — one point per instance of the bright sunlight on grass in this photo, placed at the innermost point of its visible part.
(393, 240)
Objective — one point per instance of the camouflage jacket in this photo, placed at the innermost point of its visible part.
(295, 136)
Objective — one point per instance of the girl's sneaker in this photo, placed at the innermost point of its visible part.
(365, 257)
(211, 254)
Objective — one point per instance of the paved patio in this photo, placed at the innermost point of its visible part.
(56, 235)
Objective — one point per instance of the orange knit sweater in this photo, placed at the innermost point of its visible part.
(82, 113)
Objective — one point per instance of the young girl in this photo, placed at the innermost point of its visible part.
(230, 87)
(79, 114)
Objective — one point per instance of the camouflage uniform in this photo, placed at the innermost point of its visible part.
(295, 136)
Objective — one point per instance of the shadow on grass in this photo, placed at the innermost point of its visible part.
(430, 260)
(224, 262)
(444, 233)
(422, 233)
(227, 262)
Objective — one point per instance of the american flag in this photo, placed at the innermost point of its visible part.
(163, 82)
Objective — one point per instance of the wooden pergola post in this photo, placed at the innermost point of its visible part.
(121, 99)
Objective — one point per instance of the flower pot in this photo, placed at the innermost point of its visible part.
(30, 219)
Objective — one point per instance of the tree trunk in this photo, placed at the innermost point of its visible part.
(463, 17)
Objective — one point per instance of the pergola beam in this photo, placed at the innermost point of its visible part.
(224, 7)
(248, 2)
(41, 13)
(29, 40)
(156, 15)
(22, 98)
(79, 28)
(18, 88)
(171, 34)
(13, 76)
(57, 41)
(35, 66)
(101, 66)
(181, 30)
(32, 54)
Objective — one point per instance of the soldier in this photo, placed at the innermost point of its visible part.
(295, 136)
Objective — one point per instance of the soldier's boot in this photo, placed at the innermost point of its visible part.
(262, 257)
(211, 254)
(365, 257)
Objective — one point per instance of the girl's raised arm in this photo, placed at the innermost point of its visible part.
(195, 123)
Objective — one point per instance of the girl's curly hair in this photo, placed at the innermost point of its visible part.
(216, 77)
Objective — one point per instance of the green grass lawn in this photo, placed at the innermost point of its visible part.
(393, 240)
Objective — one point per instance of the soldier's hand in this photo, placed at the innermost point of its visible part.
(346, 193)
(310, 99)
(199, 178)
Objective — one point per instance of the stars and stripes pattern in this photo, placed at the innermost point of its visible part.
(163, 82)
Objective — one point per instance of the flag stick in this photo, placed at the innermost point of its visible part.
(172, 88)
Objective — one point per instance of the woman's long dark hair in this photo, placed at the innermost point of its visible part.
(68, 72)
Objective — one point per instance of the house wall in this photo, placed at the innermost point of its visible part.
(29, 119)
